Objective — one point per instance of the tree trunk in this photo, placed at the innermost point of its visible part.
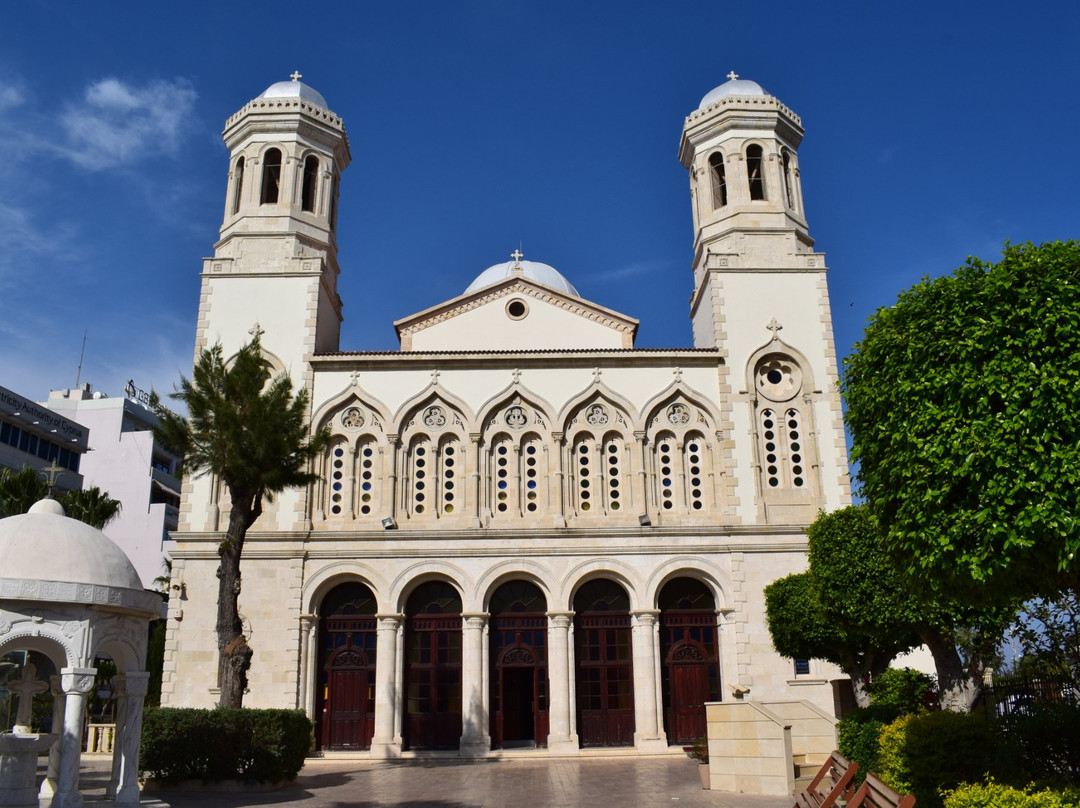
(862, 669)
(234, 654)
(958, 688)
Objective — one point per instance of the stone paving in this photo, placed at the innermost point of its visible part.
(633, 782)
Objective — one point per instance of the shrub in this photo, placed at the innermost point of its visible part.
(223, 744)
(857, 740)
(924, 753)
(903, 690)
(1044, 740)
(996, 795)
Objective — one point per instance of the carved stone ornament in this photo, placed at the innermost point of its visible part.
(434, 418)
(350, 659)
(352, 418)
(516, 417)
(596, 415)
(5, 626)
(678, 415)
(688, 653)
(519, 656)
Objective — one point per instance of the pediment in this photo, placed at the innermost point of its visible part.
(517, 313)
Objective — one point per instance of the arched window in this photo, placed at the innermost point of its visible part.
(368, 457)
(238, 188)
(534, 475)
(782, 449)
(311, 181)
(453, 494)
(504, 476)
(689, 652)
(421, 474)
(755, 171)
(719, 180)
(271, 177)
(680, 468)
(333, 202)
(338, 479)
(345, 698)
(789, 179)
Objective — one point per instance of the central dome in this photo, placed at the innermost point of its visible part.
(733, 86)
(295, 89)
(541, 273)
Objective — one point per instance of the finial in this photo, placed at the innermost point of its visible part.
(296, 75)
(732, 75)
(775, 327)
(517, 255)
(256, 330)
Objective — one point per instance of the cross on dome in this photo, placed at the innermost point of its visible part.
(517, 255)
(732, 75)
(296, 75)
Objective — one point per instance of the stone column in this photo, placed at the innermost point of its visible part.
(648, 735)
(48, 785)
(558, 440)
(643, 473)
(119, 683)
(308, 624)
(477, 477)
(385, 743)
(76, 684)
(561, 739)
(475, 738)
(132, 694)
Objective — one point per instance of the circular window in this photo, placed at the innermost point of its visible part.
(516, 309)
(778, 378)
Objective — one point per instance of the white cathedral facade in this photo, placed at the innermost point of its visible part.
(527, 532)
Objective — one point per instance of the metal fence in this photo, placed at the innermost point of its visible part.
(1007, 695)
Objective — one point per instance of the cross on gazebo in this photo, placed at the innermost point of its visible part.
(732, 75)
(52, 472)
(256, 330)
(296, 75)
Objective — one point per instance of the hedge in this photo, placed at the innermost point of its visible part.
(996, 795)
(254, 746)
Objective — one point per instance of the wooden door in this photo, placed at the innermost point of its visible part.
(689, 692)
(348, 719)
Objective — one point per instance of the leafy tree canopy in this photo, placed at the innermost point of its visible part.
(960, 403)
(19, 490)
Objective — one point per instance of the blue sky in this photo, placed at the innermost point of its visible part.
(933, 131)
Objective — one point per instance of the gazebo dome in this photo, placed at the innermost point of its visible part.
(294, 89)
(733, 86)
(542, 273)
(46, 544)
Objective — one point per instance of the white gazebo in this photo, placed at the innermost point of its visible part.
(69, 593)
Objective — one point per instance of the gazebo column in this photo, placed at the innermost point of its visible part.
(132, 693)
(76, 684)
(48, 785)
(475, 739)
(385, 744)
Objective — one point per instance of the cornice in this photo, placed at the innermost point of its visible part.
(112, 597)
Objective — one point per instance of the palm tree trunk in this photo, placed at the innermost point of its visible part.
(234, 654)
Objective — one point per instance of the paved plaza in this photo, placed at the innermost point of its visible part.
(452, 783)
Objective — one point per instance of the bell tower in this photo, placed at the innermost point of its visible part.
(760, 297)
(275, 265)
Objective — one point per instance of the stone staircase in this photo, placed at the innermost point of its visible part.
(806, 766)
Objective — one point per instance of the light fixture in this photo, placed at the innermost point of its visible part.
(389, 524)
(644, 520)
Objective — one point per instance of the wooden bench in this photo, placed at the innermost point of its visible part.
(831, 783)
(875, 794)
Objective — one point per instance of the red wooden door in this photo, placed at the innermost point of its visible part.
(689, 692)
(348, 719)
(605, 691)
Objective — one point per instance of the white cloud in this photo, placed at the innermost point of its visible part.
(23, 243)
(10, 97)
(117, 123)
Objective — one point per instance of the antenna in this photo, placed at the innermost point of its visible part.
(82, 352)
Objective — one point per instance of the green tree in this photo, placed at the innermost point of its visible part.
(19, 490)
(850, 607)
(90, 505)
(960, 403)
(252, 433)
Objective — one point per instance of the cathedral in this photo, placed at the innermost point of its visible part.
(526, 533)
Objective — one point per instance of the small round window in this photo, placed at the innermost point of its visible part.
(778, 377)
(516, 309)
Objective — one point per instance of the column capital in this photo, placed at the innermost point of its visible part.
(645, 617)
(77, 680)
(389, 622)
(309, 620)
(560, 619)
(474, 620)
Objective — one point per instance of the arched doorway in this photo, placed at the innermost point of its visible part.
(345, 702)
(433, 667)
(688, 647)
(518, 655)
(605, 669)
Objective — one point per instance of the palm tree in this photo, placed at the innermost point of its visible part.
(90, 505)
(20, 489)
(252, 433)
